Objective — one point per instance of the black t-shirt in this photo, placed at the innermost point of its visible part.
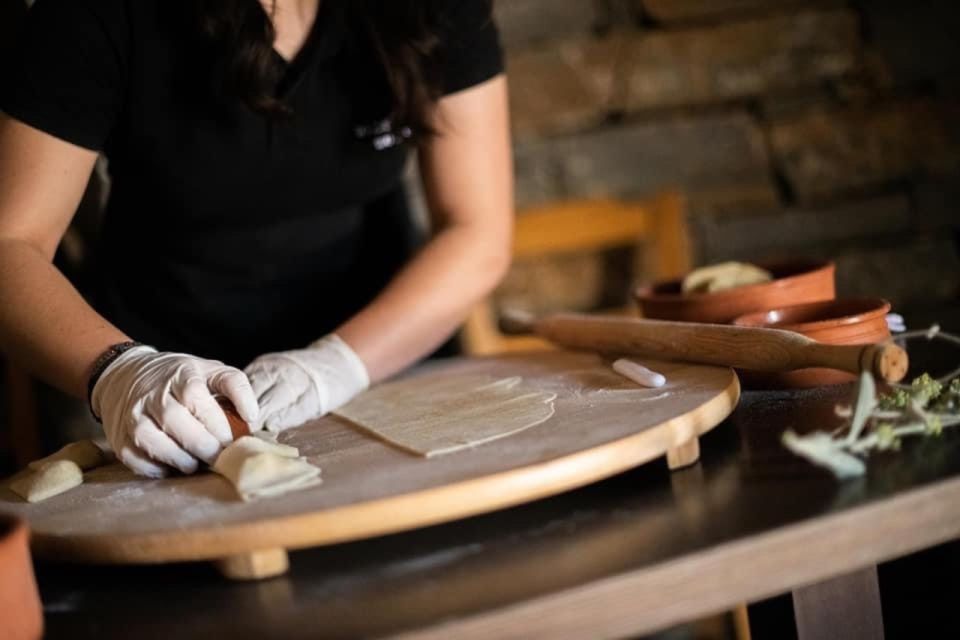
(228, 234)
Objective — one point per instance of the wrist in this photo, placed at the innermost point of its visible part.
(338, 370)
(336, 350)
(107, 362)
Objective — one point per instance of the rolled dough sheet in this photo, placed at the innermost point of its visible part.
(442, 415)
(258, 468)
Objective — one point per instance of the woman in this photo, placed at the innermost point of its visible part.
(256, 216)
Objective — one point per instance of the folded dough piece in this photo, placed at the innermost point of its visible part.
(258, 468)
(85, 454)
(52, 479)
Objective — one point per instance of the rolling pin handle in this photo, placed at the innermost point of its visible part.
(887, 362)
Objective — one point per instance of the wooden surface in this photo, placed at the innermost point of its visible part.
(846, 607)
(603, 424)
(638, 552)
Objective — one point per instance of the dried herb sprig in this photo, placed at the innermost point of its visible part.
(880, 422)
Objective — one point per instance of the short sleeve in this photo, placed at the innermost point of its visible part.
(470, 50)
(66, 73)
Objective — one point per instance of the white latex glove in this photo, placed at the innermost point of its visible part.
(159, 411)
(294, 387)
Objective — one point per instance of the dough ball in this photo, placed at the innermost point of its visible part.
(724, 276)
(51, 480)
(85, 454)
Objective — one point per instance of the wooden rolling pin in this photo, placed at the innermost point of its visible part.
(726, 345)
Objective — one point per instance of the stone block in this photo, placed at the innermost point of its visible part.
(826, 152)
(537, 175)
(567, 282)
(566, 86)
(921, 271)
(669, 11)
(664, 68)
(572, 282)
(937, 201)
(690, 152)
(619, 13)
(524, 22)
(796, 232)
(918, 40)
(749, 197)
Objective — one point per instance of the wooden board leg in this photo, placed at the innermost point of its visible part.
(684, 455)
(843, 607)
(741, 622)
(255, 565)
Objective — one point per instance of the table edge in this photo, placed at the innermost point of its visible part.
(720, 577)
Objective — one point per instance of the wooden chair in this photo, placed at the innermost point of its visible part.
(583, 226)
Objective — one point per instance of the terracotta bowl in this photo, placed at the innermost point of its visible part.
(19, 600)
(794, 282)
(843, 321)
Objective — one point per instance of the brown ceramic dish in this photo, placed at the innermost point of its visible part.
(19, 599)
(843, 321)
(794, 282)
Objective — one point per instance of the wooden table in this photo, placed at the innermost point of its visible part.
(636, 553)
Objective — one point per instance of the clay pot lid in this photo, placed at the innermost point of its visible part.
(817, 316)
(784, 274)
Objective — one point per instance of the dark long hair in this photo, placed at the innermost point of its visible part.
(401, 35)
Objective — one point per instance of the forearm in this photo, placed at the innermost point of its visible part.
(46, 326)
(427, 300)
(467, 174)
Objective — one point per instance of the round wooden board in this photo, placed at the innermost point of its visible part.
(603, 425)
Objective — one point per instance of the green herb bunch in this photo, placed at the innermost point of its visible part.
(880, 423)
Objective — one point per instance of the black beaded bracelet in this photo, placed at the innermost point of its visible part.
(100, 365)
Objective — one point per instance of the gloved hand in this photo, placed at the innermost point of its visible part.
(159, 411)
(293, 387)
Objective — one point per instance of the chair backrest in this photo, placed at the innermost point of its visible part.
(583, 226)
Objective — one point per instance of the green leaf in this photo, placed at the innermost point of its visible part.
(819, 448)
(864, 406)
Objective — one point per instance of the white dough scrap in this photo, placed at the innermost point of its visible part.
(258, 468)
(51, 480)
(266, 436)
(724, 276)
(85, 454)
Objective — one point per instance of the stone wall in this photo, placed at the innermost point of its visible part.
(795, 128)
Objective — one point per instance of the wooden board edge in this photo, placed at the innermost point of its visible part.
(402, 512)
